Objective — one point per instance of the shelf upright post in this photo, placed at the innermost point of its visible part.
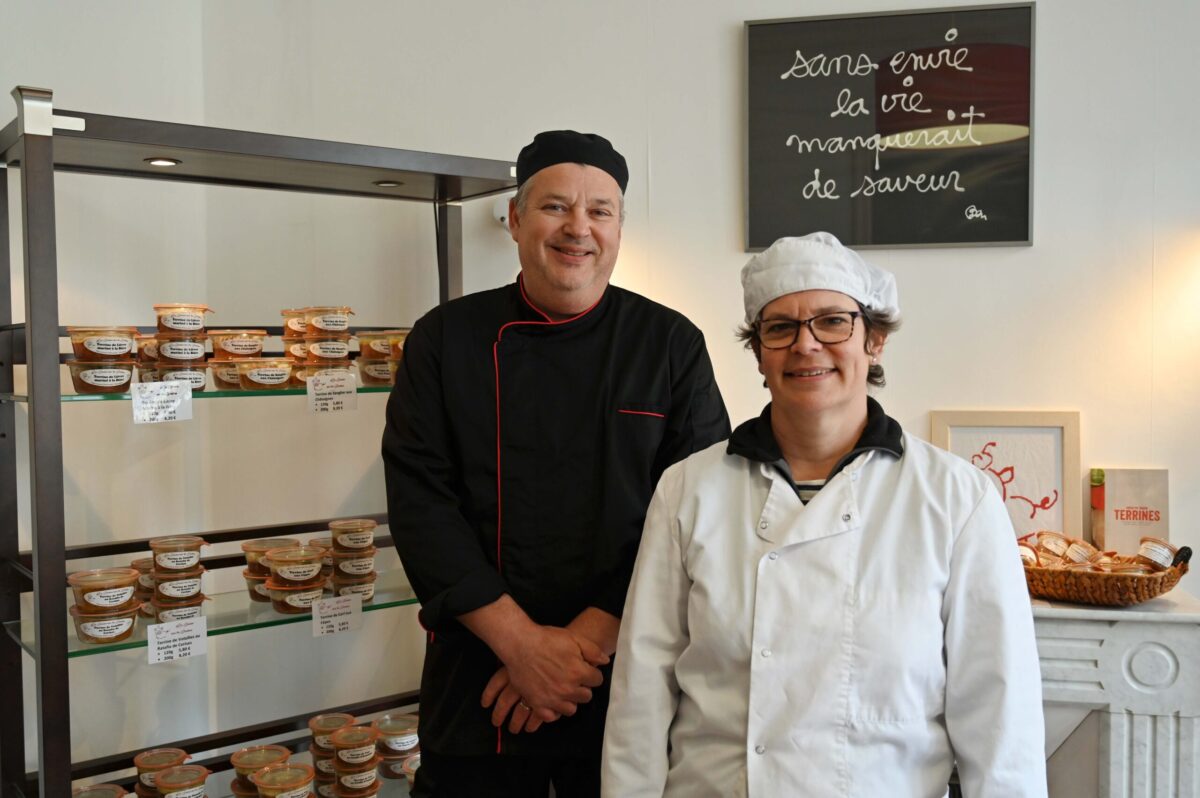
(12, 724)
(449, 250)
(36, 121)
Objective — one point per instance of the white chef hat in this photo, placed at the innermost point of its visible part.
(816, 261)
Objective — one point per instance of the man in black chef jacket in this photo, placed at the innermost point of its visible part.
(526, 432)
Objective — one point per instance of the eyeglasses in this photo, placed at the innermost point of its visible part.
(827, 328)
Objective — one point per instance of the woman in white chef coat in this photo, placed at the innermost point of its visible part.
(824, 605)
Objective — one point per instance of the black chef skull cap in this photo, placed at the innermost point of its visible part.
(567, 146)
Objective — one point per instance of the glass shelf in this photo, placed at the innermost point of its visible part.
(226, 613)
(124, 397)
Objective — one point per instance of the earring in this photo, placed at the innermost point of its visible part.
(874, 360)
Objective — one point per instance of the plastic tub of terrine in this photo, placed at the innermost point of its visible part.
(325, 788)
(142, 791)
(165, 610)
(361, 782)
(264, 373)
(194, 374)
(148, 372)
(1156, 553)
(296, 565)
(357, 585)
(177, 585)
(145, 568)
(322, 759)
(293, 599)
(397, 734)
(354, 745)
(411, 766)
(324, 347)
(104, 590)
(182, 348)
(106, 627)
(294, 325)
(114, 376)
(323, 726)
(99, 791)
(93, 344)
(150, 763)
(225, 375)
(176, 553)
(374, 344)
(295, 349)
(256, 586)
(284, 781)
(327, 318)
(254, 758)
(147, 347)
(243, 788)
(236, 344)
(352, 534)
(353, 563)
(256, 550)
(182, 781)
(181, 317)
(376, 373)
(303, 371)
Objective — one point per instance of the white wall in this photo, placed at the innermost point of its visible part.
(1098, 315)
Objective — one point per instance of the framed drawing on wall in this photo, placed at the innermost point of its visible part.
(907, 128)
(1032, 457)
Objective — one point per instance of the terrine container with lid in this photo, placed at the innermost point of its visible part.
(284, 781)
(352, 534)
(243, 788)
(194, 374)
(105, 627)
(147, 347)
(397, 340)
(264, 373)
(113, 376)
(293, 599)
(147, 372)
(177, 585)
(93, 344)
(326, 347)
(256, 586)
(1156, 553)
(353, 745)
(357, 777)
(181, 317)
(354, 562)
(176, 553)
(343, 790)
(397, 734)
(225, 375)
(363, 586)
(182, 348)
(295, 349)
(374, 344)
(327, 318)
(376, 373)
(182, 781)
(256, 757)
(165, 610)
(256, 550)
(104, 590)
(323, 726)
(294, 325)
(296, 565)
(236, 344)
(150, 763)
(142, 791)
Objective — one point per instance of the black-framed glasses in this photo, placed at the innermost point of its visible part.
(827, 328)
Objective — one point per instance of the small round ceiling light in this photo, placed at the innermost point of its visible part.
(164, 162)
(388, 183)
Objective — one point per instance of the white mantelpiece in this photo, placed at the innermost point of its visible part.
(1138, 668)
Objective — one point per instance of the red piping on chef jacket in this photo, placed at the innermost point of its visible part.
(496, 365)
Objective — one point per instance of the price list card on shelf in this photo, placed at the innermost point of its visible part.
(337, 614)
(156, 402)
(332, 392)
(174, 640)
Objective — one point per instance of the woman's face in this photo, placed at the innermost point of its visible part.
(812, 377)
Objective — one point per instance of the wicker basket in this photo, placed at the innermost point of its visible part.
(1093, 587)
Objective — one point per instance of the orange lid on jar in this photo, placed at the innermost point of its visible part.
(322, 726)
(104, 589)
(149, 763)
(354, 745)
(278, 780)
(353, 533)
(176, 552)
(229, 344)
(182, 781)
(296, 564)
(256, 757)
(103, 343)
(181, 316)
(327, 318)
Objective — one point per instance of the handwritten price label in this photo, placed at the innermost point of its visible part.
(156, 402)
(167, 642)
(332, 392)
(338, 614)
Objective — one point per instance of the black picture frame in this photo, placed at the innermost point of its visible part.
(902, 129)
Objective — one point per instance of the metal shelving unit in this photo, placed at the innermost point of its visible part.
(41, 141)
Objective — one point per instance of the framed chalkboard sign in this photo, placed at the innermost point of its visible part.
(904, 129)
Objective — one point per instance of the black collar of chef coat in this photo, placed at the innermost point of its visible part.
(533, 320)
(755, 439)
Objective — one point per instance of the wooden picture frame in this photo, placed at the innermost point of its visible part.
(1032, 457)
